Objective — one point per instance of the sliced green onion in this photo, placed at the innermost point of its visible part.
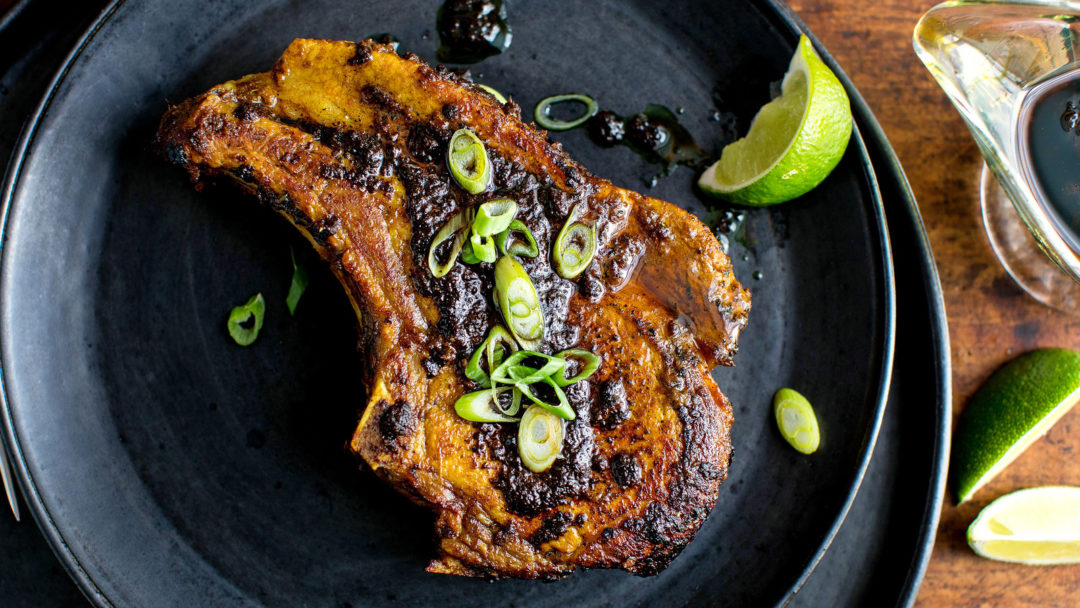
(457, 229)
(510, 371)
(298, 286)
(517, 240)
(589, 364)
(495, 346)
(497, 95)
(519, 303)
(574, 247)
(796, 420)
(477, 406)
(468, 161)
(483, 248)
(245, 321)
(542, 113)
(540, 438)
(494, 216)
(561, 409)
(467, 254)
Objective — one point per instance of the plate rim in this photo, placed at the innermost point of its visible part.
(774, 11)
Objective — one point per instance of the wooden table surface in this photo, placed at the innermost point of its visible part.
(990, 319)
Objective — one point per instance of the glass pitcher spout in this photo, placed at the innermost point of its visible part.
(996, 61)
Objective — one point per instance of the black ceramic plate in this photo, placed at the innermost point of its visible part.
(168, 466)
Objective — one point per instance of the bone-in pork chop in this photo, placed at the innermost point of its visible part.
(349, 142)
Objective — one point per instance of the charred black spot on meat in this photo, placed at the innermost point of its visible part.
(396, 421)
(612, 408)
(362, 56)
(378, 97)
(553, 527)
(626, 470)
(427, 143)
(450, 111)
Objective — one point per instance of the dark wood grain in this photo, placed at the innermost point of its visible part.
(990, 319)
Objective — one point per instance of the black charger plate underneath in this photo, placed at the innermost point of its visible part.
(304, 437)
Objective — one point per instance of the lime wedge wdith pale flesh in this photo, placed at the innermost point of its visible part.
(1036, 526)
(1014, 407)
(794, 141)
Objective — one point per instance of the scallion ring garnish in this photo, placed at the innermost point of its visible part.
(540, 438)
(493, 349)
(517, 240)
(542, 113)
(519, 302)
(458, 230)
(478, 406)
(483, 248)
(467, 255)
(494, 216)
(561, 408)
(246, 320)
(588, 362)
(497, 95)
(297, 286)
(468, 161)
(511, 370)
(574, 247)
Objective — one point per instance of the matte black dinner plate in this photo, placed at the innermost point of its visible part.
(166, 465)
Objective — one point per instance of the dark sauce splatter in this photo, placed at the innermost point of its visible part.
(728, 224)
(472, 30)
(655, 134)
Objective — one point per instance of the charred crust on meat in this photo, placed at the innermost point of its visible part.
(612, 408)
(626, 470)
(362, 55)
(378, 97)
(426, 142)
(396, 421)
(553, 526)
(450, 111)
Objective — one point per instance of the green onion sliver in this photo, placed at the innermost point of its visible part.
(517, 240)
(561, 409)
(540, 438)
(542, 113)
(510, 371)
(246, 320)
(297, 286)
(477, 406)
(519, 302)
(467, 255)
(796, 420)
(574, 247)
(458, 230)
(589, 364)
(493, 349)
(468, 161)
(497, 95)
(483, 248)
(494, 216)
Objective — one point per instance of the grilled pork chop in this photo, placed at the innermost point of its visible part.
(348, 141)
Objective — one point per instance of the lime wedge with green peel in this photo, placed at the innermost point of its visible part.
(1036, 526)
(1016, 406)
(794, 141)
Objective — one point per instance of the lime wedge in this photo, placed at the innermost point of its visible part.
(1036, 526)
(794, 141)
(1014, 407)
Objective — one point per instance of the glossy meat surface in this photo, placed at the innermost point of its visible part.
(348, 141)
